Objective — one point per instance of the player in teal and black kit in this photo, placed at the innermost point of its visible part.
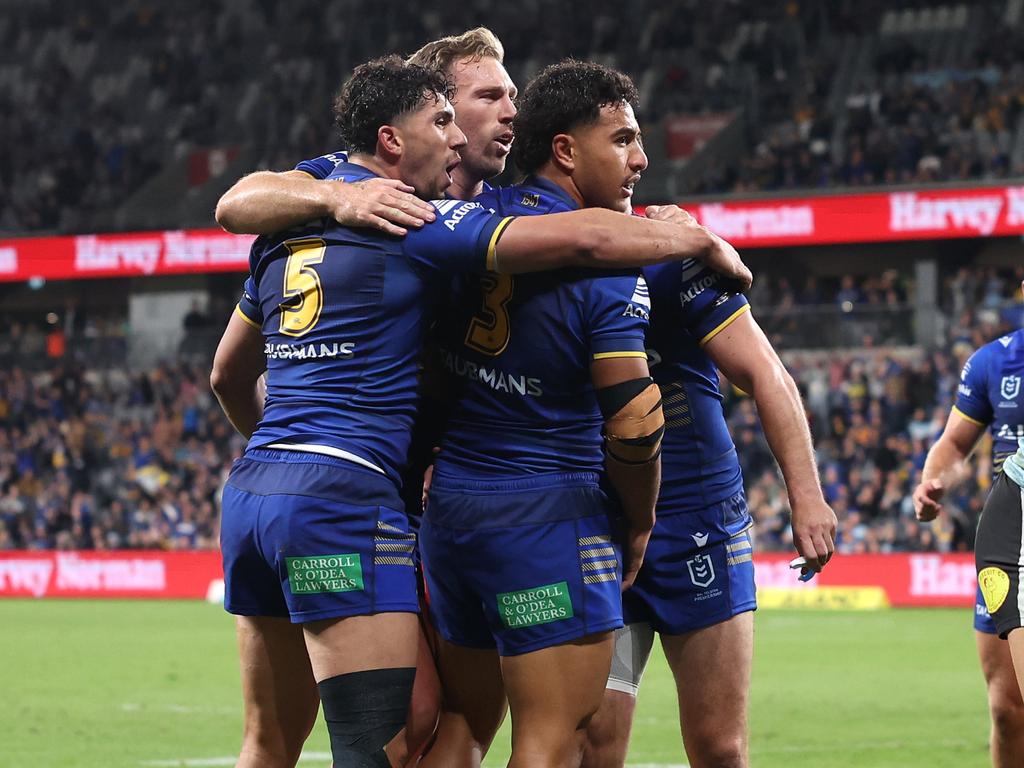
(990, 396)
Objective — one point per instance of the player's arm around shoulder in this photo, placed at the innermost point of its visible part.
(634, 424)
(604, 239)
(266, 202)
(237, 375)
(743, 353)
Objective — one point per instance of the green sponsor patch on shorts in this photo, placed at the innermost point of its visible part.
(316, 574)
(538, 605)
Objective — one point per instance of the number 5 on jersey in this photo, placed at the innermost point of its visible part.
(489, 329)
(303, 294)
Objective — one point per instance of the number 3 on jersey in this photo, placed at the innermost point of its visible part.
(489, 329)
(303, 294)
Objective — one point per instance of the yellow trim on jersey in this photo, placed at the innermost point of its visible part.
(492, 254)
(725, 324)
(606, 355)
(964, 416)
(248, 319)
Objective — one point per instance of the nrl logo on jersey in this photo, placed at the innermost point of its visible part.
(1010, 387)
(702, 570)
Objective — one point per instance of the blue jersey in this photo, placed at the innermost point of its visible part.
(990, 393)
(343, 312)
(323, 166)
(518, 350)
(700, 467)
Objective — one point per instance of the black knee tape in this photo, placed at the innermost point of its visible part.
(364, 711)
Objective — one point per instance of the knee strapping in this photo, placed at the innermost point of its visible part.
(364, 711)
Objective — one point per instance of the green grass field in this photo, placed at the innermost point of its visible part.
(134, 684)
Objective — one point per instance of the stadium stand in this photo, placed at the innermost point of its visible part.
(124, 119)
(95, 457)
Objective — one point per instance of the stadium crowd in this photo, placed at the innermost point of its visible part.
(96, 458)
(92, 129)
(102, 460)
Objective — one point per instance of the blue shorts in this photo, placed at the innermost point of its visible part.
(314, 537)
(698, 570)
(520, 565)
(983, 621)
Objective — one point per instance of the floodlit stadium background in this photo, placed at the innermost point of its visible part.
(867, 158)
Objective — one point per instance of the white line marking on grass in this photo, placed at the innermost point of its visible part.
(211, 762)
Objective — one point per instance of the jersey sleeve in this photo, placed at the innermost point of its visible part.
(249, 304)
(972, 401)
(462, 238)
(618, 312)
(323, 166)
(708, 306)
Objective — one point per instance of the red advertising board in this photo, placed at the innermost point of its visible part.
(829, 219)
(867, 218)
(920, 579)
(133, 254)
(924, 579)
(126, 573)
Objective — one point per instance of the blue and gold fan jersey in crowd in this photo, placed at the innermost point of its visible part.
(990, 393)
(990, 396)
(343, 312)
(518, 350)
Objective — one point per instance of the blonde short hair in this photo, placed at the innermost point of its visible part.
(475, 44)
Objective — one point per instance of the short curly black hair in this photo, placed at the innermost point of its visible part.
(562, 97)
(378, 93)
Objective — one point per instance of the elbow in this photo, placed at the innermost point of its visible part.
(224, 214)
(218, 380)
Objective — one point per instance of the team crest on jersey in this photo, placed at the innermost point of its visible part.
(1010, 387)
(702, 570)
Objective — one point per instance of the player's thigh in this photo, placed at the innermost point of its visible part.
(360, 643)
(278, 687)
(1015, 640)
(553, 692)
(711, 667)
(474, 705)
(997, 666)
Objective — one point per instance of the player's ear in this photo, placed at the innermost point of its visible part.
(389, 142)
(563, 152)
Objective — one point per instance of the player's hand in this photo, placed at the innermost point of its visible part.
(384, 204)
(428, 475)
(633, 549)
(814, 532)
(722, 257)
(928, 500)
